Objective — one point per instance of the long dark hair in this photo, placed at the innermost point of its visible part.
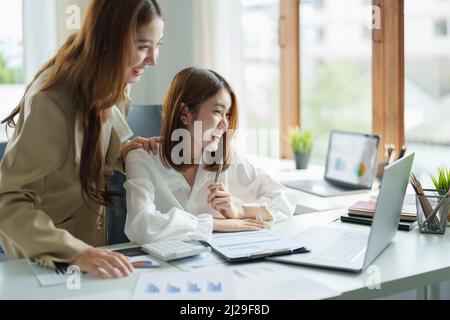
(95, 60)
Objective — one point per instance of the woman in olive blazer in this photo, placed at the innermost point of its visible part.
(70, 132)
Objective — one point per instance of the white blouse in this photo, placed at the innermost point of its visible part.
(162, 206)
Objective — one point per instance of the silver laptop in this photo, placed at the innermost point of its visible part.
(350, 166)
(353, 250)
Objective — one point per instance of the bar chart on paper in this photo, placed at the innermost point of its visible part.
(172, 289)
(186, 285)
(151, 289)
(193, 288)
(212, 287)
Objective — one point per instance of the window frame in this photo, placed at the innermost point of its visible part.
(388, 58)
(289, 42)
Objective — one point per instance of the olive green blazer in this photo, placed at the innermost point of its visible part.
(42, 214)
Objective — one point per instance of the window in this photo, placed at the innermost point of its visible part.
(427, 85)
(11, 44)
(366, 33)
(319, 4)
(11, 58)
(336, 78)
(440, 27)
(261, 74)
(320, 34)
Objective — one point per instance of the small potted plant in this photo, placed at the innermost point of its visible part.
(442, 183)
(442, 180)
(301, 141)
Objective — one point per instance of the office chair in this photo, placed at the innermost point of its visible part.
(2, 149)
(145, 121)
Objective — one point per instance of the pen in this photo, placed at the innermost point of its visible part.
(391, 153)
(386, 154)
(402, 152)
(392, 157)
(301, 250)
(219, 171)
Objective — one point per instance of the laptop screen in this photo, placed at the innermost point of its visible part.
(352, 159)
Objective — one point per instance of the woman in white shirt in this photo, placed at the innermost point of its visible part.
(172, 195)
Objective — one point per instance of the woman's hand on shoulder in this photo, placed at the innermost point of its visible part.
(148, 144)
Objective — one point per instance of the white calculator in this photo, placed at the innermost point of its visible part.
(174, 249)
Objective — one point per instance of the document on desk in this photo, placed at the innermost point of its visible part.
(273, 281)
(249, 245)
(49, 277)
(185, 286)
(206, 259)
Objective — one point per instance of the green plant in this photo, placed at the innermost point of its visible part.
(442, 180)
(9, 75)
(301, 140)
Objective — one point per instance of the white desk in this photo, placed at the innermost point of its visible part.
(412, 261)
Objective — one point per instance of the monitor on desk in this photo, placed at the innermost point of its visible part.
(350, 165)
(352, 159)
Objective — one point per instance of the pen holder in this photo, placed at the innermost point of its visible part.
(432, 213)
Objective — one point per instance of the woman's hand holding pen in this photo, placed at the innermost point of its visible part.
(222, 201)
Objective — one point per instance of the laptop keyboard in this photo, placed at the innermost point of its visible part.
(345, 247)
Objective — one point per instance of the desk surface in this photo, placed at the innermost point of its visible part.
(412, 260)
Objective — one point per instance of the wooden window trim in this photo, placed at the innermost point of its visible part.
(387, 73)
(388, 70)
(289, 42)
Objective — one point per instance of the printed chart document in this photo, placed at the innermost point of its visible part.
(185, 286)
(249, 245)
(48, 277)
